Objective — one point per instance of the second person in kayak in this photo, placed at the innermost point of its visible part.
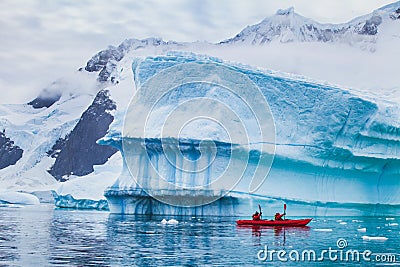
(278, 216)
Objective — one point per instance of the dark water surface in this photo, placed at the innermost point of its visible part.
(44, 236)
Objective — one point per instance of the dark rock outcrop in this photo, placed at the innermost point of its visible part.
(371, 25)
(45, 99)
(9, 152)
(78, 152)
(105, 61)
(395, 15)
(100, 60)
(106, 72)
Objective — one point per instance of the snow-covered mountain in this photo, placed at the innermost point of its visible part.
(288, 26)
(53, 138)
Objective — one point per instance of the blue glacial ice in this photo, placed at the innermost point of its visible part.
(335, 151)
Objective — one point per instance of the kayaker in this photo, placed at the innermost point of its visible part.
(257, 216)
(278, 216)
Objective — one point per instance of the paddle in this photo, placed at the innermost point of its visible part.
(284, 211)
(260, 210)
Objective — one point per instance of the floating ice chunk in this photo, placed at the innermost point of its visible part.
(374, 238)
(172, 221)
(390, 219)
(18, 198)
(150, 232)
(393, 224)
(362, 230)
(323, 230)
(343, 223)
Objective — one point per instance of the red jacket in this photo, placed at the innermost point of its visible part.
(278, 217)
(256, 217)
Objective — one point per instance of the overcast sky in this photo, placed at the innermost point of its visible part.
(42, 40)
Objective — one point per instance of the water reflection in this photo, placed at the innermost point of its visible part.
(78, 238)
(257, 230)
(24, 237)
(278, 235)
(8, 236)
(150, 242)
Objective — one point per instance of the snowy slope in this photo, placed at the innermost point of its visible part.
(35, 131)
(359, 55)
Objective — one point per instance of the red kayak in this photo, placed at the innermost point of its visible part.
(301, 222)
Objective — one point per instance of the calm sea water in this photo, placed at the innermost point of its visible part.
(44, 236)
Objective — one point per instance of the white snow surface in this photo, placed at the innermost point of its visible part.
(92, 185)
(18, 198)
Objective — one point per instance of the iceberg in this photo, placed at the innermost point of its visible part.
(18, 198)
(171, 221)
(69, 202)
(195, 146)
(323, 230)
(374, 238)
